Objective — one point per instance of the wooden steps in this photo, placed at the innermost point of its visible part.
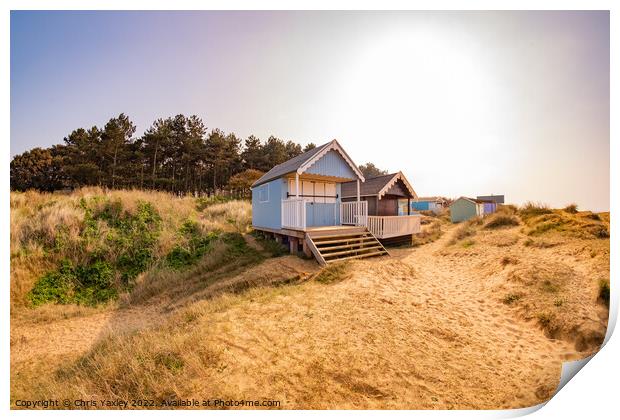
(346, 246)
(332, 246)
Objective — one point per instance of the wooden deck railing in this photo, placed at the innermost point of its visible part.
(294, 213)
(354, 213)
(390, 226)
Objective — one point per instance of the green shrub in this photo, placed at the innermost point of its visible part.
(508, 260)
(86, 285)
(179, 257)
(136, 236)
(468, 243)
(54, 286)
(546, 223)
(549, 286)
(599, 232)
(95, 284)
(269, 245)
(127, 249)
(501, 220)
(197, 244)
(559, 302)
(237, 245)
(571, 208)
(204, 202)
(510, 298)
(332, 273)
(172, 361)
(132, 237)
(545, 319)
(604, 291)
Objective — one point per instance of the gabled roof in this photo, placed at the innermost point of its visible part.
(473, 200)
(377, 185)
(304, 161)
(499, 199)
(434, 198)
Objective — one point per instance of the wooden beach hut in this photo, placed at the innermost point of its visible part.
(300, 203)
(383, 194)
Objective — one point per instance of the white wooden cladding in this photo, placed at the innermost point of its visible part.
(390, 226)
(294, 213)
(323, 192)
(354, 213)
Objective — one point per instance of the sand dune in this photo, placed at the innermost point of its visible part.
(425, 329)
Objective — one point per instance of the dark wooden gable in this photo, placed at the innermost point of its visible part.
(398, 189)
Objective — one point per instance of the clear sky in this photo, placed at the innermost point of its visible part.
(464, 103)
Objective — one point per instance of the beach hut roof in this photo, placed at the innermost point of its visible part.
(304, 161)
(376, 186)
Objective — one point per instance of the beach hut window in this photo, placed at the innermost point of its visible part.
(263, 193)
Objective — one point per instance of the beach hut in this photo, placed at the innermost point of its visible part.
(434, 204)
(488, 207)
(491, 202)
(497, 199)
(384, 195)
(299, 202)
(465, 208)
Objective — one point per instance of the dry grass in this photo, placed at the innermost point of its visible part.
(381, 333)
(506, 260)
(540, 220)
(333, 273)
(47, 228)
(155, 363)
(531, 209)
(549, 269)
(314, 345)
(431, 231)
(499, 220)
(465, 230)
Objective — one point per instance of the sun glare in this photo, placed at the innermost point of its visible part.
(420, 86)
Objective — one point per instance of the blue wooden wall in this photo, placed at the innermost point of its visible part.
(462, 210)
(490, 208)
(332, 164)
(420, 205)
(268, 214)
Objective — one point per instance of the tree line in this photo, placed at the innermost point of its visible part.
(177, 154)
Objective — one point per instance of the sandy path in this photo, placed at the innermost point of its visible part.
(458, 294)
(419, 330)
(74, 336)
(414, 331)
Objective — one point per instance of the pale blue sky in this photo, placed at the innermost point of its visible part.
(464, 103)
